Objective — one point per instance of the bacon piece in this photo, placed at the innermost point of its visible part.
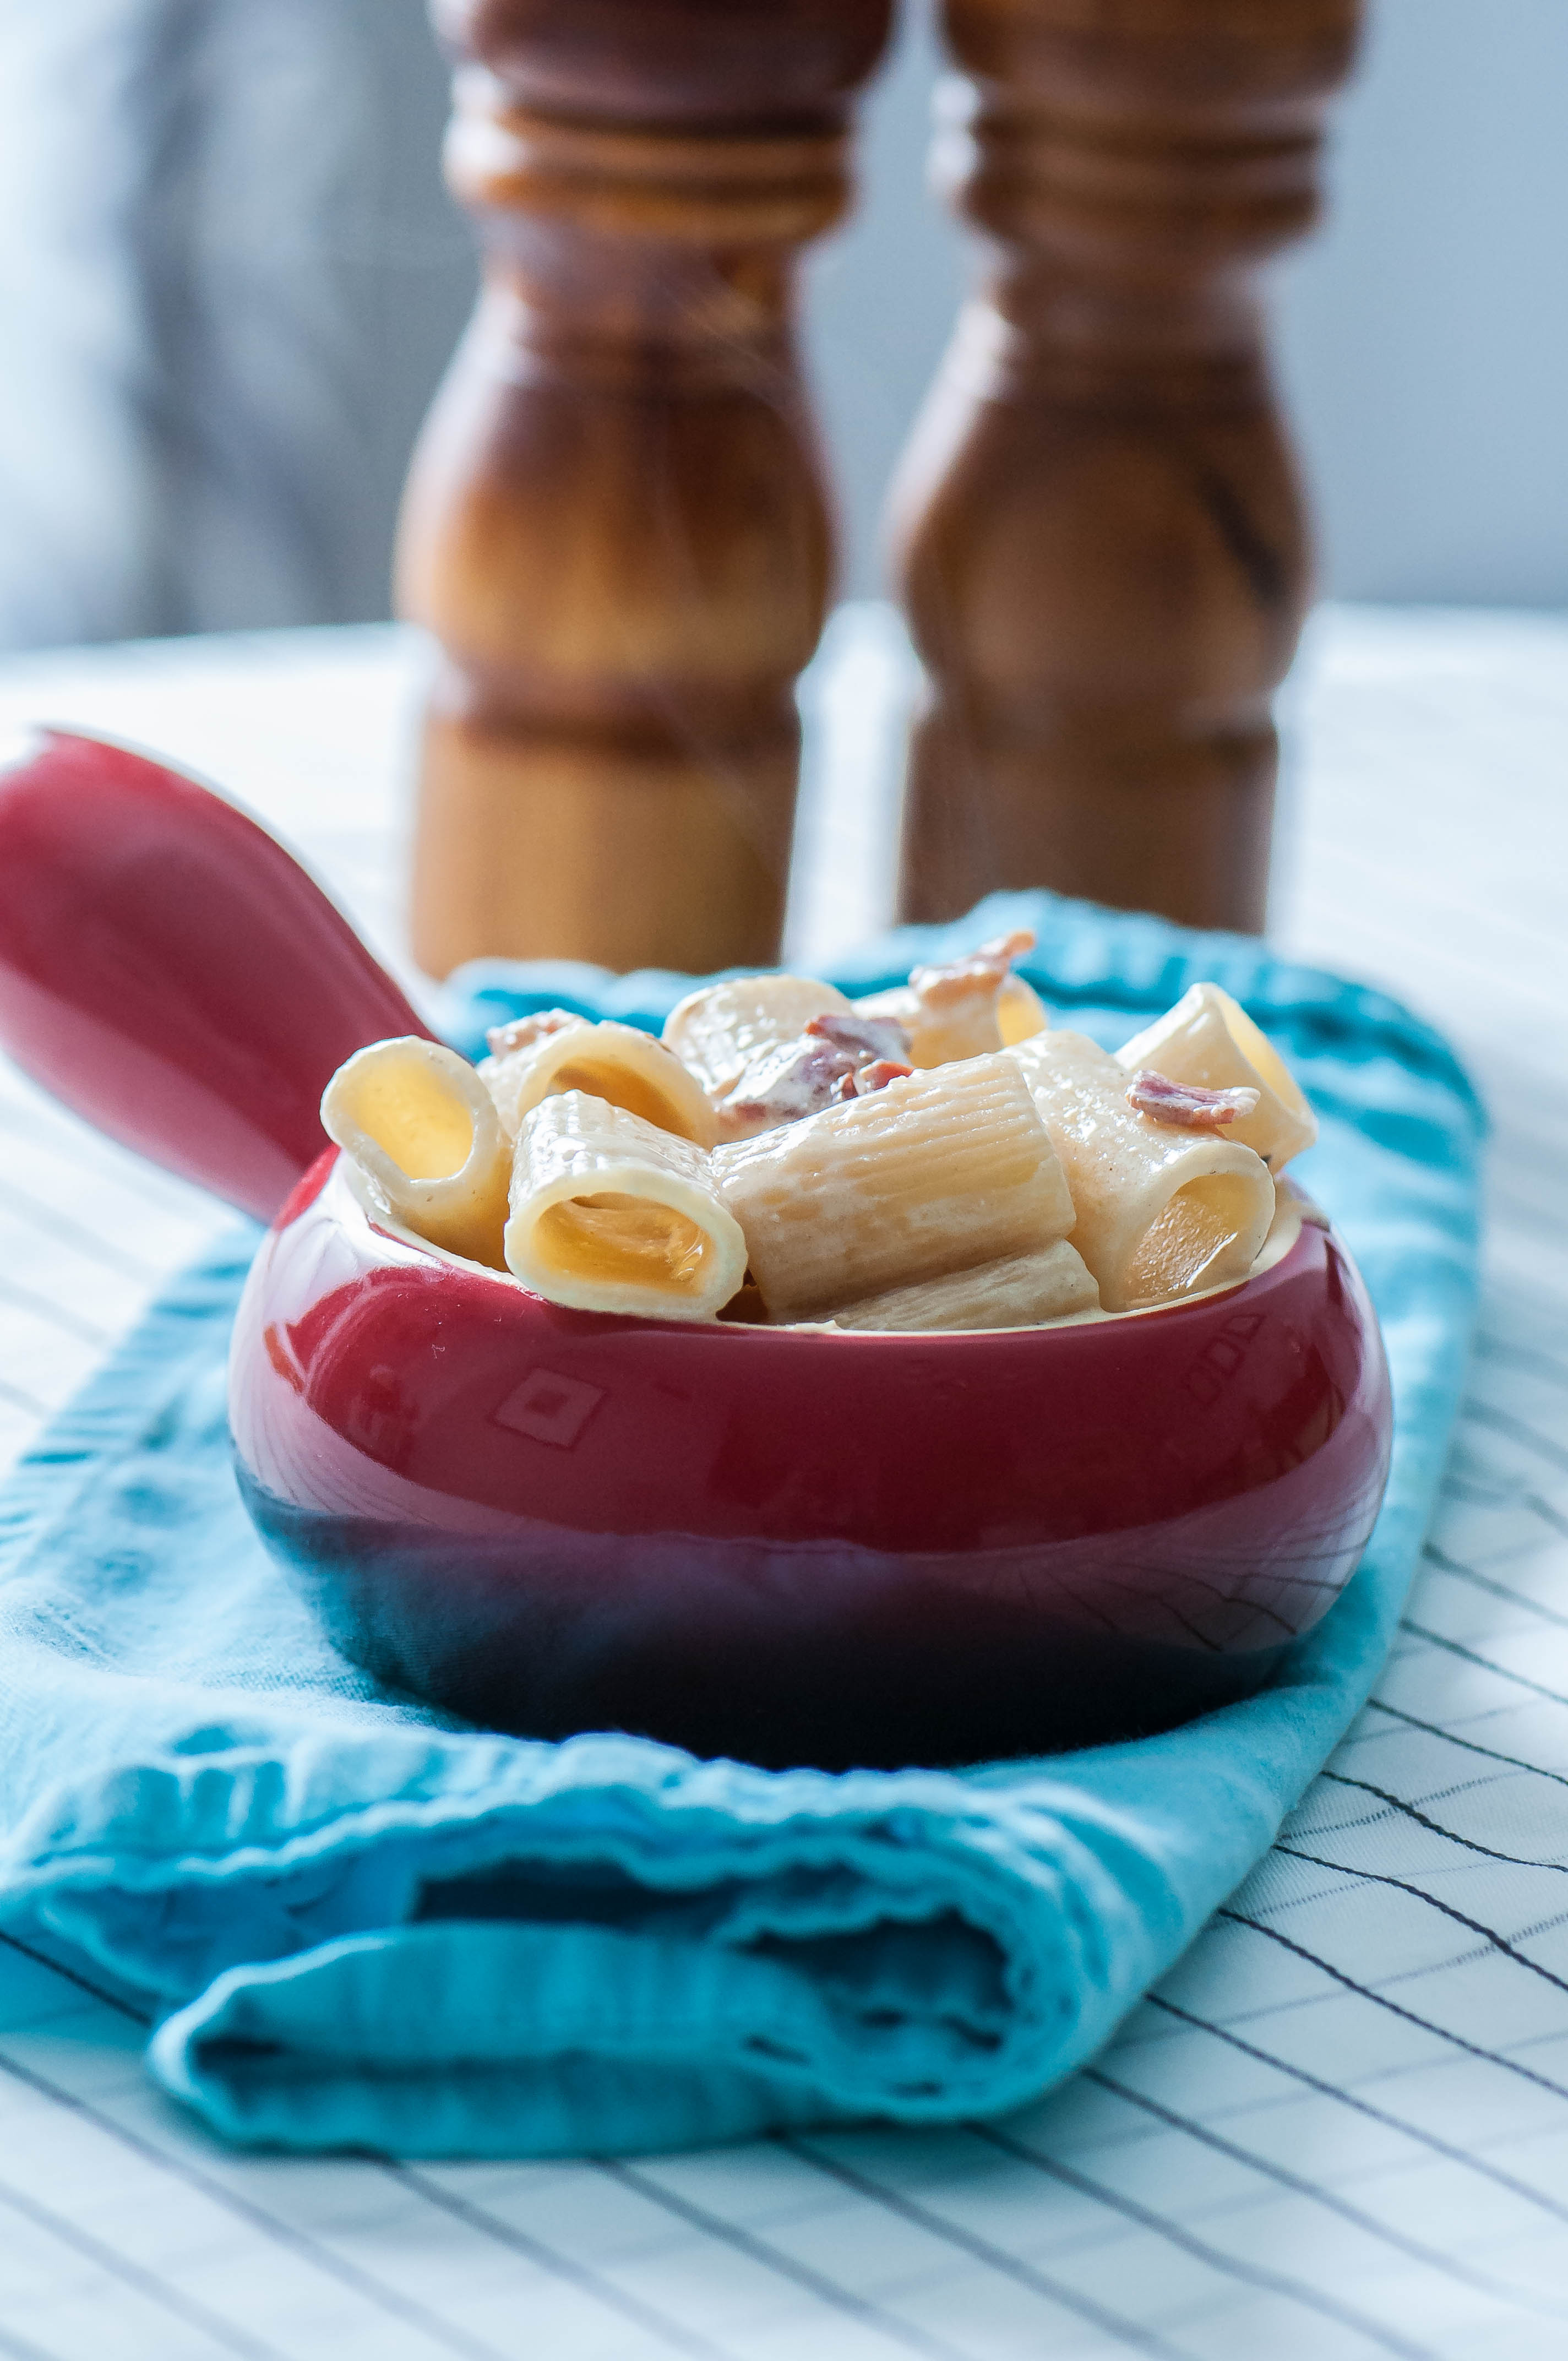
(524, 1031)
(796, 1078)
(867, 1036)
(1184, 1104)
(800, 1078)
(874, 1077)
(977, 976)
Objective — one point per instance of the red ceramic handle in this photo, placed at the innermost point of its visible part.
(171, 973)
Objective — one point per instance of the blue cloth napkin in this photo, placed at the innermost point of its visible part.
(357, 1923)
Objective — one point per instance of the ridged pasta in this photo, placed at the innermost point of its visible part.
(1207, 1041)
(1020, 1291)
(1020, 1011)
(420, 1126)
(614, 1062)
(726, 1030)
(966, 1008)
(612, 1213)
(1160, 1212)
(933, 1174)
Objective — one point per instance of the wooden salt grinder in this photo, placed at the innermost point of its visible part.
(615, 522)
(1102, 536)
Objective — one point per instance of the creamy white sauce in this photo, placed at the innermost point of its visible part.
(352, 1202)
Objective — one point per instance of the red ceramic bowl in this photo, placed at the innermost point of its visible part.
(781, 1544)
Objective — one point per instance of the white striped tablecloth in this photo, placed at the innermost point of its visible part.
(1339, 2127)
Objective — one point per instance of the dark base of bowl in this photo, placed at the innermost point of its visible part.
(755, 1654)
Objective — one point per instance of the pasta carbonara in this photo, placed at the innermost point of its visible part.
(933, 1157)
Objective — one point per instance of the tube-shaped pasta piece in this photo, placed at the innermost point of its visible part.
(722, 1031)
(965, 1007)
(419, 1124)
(1020, 1011)
(842, 1055)
(1161, 1213)
(1020, 1291)
(612, 1213)
(1207, 1041)
(931, 1175)
(615, 1062)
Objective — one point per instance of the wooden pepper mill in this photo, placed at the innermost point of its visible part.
(1101, 535)
(614, 524)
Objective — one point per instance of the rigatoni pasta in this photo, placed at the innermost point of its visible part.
(1018, 1292)
(963, 1008)
(722, 1029)
(932, 1158)
(933, 1174)
(419, 1124)
(1160, 1212)
(1020, 1011)
(1207, 1041)
(540, 1057)
(611, 1213)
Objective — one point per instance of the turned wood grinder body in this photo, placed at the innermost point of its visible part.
(616, 524)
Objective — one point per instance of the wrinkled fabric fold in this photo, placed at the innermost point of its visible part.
(359, 1922)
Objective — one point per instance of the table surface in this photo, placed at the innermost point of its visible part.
(1339, 2127)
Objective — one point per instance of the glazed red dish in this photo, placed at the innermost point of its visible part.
(790, 1544)
(792, 1547)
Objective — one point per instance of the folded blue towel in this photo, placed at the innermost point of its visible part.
(359, 1923)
